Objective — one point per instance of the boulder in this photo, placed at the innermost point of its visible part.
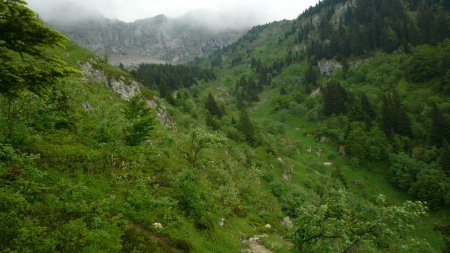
(287, 223)
(87, 106)
(157, 225)
(222, 222)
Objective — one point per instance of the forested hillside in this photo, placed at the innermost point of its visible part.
(370, 78)
(278, 142)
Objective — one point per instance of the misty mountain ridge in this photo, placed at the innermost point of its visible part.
(66, 13)
(158, 39)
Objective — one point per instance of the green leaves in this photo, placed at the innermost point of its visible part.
(337, 223)
(201, 139)
(368, 146)
(428, 62)
(427, 182)
(25, 62)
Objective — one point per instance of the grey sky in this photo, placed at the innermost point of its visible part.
(251, 11)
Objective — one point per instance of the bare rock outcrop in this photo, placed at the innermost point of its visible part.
(153, 40)
(123, 87)
(327, 67)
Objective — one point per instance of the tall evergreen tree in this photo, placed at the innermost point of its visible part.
(439, 127)
(444, 160)
(425, 23)
(403, 123)
(387, 116)
(240, 100)
(212, 122)
(140, 121)
(212, 106)
(311, 75)
(394, 118)
(246, 127)
(25, 63)
(367, 106)
(335, 98)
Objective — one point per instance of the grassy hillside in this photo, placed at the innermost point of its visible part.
(260, 150)
(290, 109)
(80, 186)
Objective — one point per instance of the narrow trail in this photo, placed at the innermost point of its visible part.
(258, 248)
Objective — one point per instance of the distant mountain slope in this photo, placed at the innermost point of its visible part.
(340, 29)
(369, 77)
(154, 40)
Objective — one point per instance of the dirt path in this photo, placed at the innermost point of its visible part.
(258, 248)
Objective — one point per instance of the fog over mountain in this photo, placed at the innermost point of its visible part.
(241, 13)
(137, 31)
(153, 40)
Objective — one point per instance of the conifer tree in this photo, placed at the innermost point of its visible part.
(311, 75)
(425, 22)
(439, 128)
(212, 122)
(240, 100)
(25, 64)
(335, 98)
(246, 127)
(387, 116)
(367, 106)
(444, 160)
(403, 123)
(140, 121)
(394, 118)
(212, 106)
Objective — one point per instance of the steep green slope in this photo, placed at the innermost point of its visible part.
(72, 182)
(99, 163)
(84, 167)
(385, 104)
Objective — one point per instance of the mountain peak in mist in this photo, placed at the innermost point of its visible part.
(158, 19)
(68, 13)
(158, 39)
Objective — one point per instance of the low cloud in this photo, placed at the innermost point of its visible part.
(214, 13)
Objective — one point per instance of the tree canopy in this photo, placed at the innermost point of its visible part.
(25, 61)
(338, 224)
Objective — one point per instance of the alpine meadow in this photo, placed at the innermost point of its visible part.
(326, 133)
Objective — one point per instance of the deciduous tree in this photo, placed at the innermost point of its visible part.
(335, 223)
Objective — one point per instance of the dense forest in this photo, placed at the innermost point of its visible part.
(370, 25)
(168, 78)
(328, 133)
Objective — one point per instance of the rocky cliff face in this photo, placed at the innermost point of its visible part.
(154, 40)
(123, 87)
